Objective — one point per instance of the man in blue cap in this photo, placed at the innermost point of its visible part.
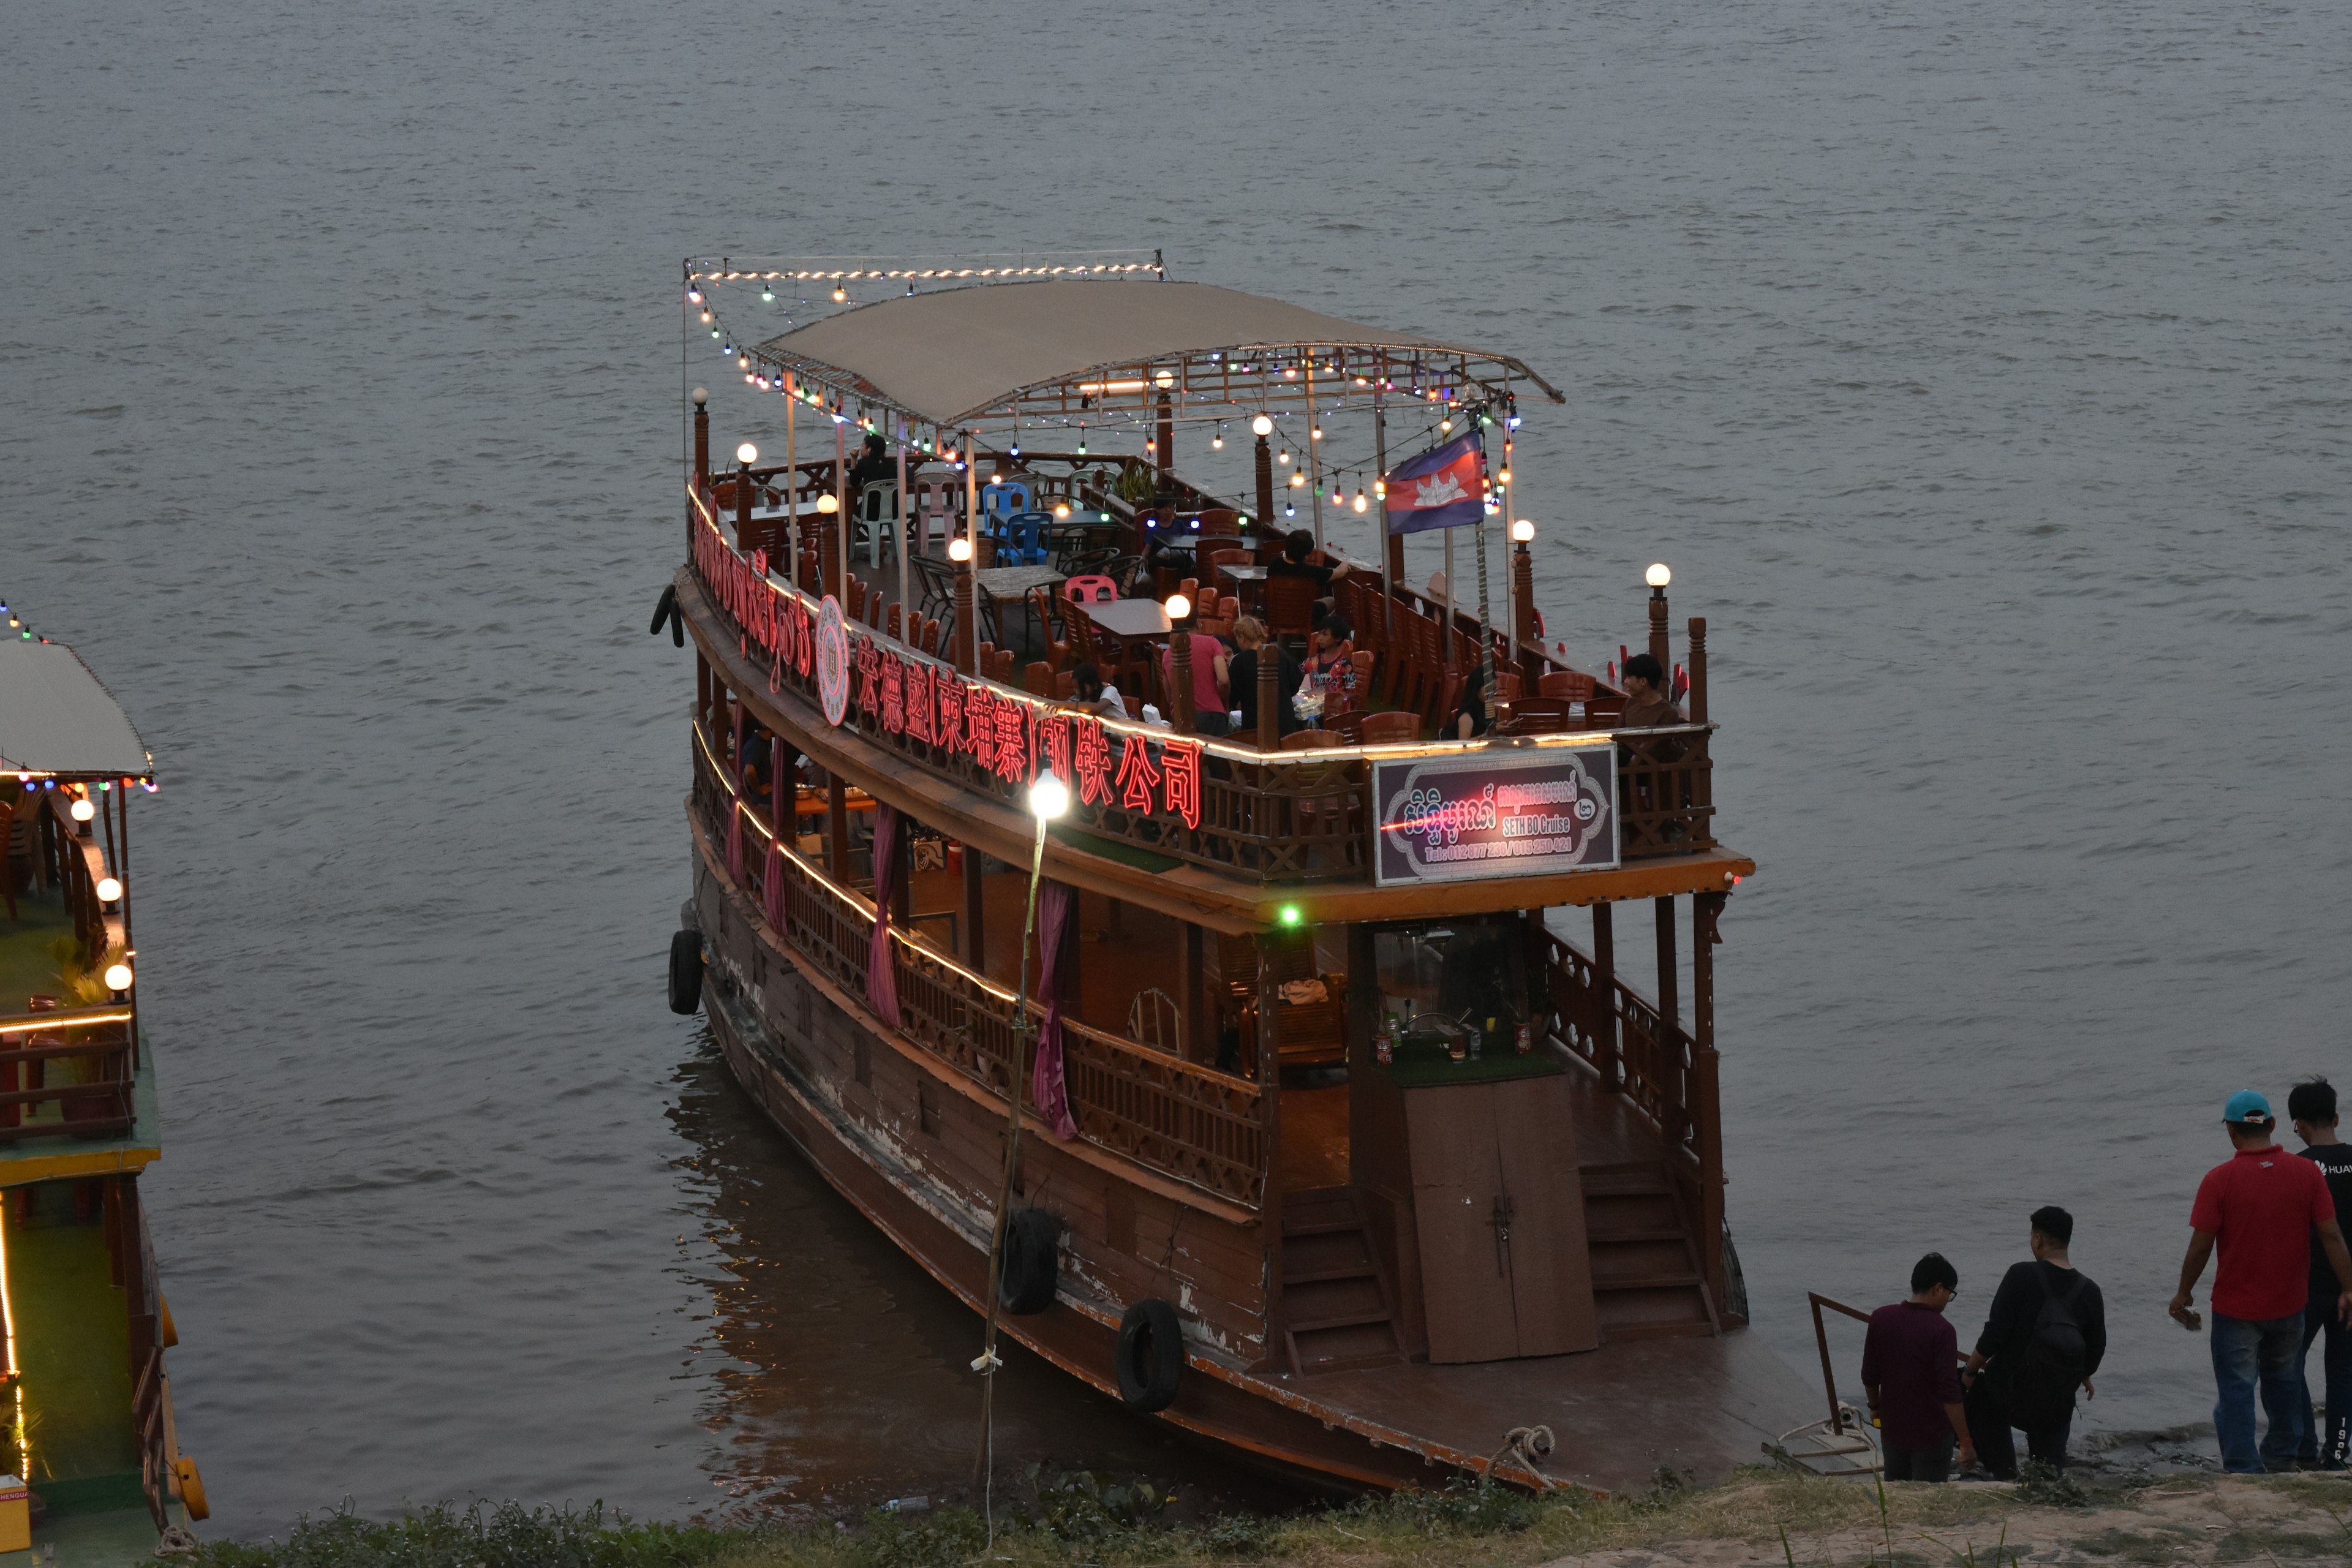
(2262, 1207)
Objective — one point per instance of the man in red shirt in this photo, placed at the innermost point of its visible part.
(2262, 1207)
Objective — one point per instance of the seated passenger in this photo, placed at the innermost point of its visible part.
(1296, 548)
(1211, 671)
(1647, 705)
(1470, 719)
(1095, 696)
(1241, 675)
(1331, 666)
(873, 464)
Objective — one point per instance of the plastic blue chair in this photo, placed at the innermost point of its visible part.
(1023, 537)
(1000, 502)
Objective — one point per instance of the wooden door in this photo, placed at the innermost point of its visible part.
(1456, 1184)
(1500, 1213)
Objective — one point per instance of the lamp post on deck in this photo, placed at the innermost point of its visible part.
(1523, 604)
(1263, 426)
(745, 456)
(701, 440)
(1658, 576)
(1049, 797)
(1179, 664)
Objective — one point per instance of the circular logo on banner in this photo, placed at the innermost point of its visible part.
(832, 660)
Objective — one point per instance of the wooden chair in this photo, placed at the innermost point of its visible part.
(1311, 740)
(1313, 1034)
(1050, 620)
(1349, 726)
(1539, 716)
(894, 624)
(1289, 608)
(1390, 728)
(930, 643)
(1065, 684)
(1153, 1019)
(1221, 522)
(1001, 669)
(1570, 685)
(1604, 710)
(1038, 679)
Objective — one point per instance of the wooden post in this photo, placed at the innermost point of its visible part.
(966, 599)
(702, 690)
(1314, 455)
(1658, 650)
(898, 526)
(976, 912)
(837, 576)
(1200, 1028)
(836, 811)
(1180, 678)
(1167, 436)
(1606, 1049)
(1669, 983)
(1264, 491)
(1393, 560)
(1269, 693)
(1706, 1109)
(742, 506)
(792, 573)
(1523, 619)
(702, 442)
(1698, 708)
(1269, 1111)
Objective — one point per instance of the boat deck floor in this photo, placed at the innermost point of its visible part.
(29, 965)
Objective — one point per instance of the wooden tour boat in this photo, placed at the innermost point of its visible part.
(1342, 1141)
(85, 1422)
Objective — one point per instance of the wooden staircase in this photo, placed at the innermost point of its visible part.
(1336, 1312)
(1647, 1282)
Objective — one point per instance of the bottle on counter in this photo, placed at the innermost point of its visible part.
(1384, 1041)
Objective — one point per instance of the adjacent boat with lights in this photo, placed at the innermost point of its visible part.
(1278, 1079)
(96, 1472)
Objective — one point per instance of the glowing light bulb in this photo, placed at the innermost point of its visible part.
(839, 294)
(706, 318)
(1179, 606)
(83, 810)
(108, 889)
(1262, 426)
(117, 977)
(742, 361)
(747, 454)
(767, 293)
(1216, 442)
(1360, 502)
(1444, 425)
(959, 549)
(694, 296)
(1523, 530)
(1297, 478)
(1658, 575)
(827, 505)
(1164, 379)
(1315, 434)
(1061, 510)
(1049, 797)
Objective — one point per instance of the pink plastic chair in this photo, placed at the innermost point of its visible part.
(1089, 589)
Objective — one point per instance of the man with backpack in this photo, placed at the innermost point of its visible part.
(2311, 1106)
(2261, 1209)
(2044, 1337)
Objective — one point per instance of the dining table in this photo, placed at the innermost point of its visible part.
(997, 584)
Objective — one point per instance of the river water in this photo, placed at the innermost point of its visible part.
(1981, 369)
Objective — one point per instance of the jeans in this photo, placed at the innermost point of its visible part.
(1990, 1406)
(2336, 1360)
(1920, 1464)
(2247, 1353)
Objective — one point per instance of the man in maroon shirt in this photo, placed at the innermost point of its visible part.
(1910, 1369)
(2263, 1208)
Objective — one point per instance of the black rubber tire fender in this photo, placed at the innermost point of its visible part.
(665, 608)
(1033, 1267)
(686, 972)
(1150, 1356)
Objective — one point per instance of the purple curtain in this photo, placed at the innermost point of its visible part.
(881, 977)
(1048, 1084)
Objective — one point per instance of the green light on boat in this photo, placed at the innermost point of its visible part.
(1290, 915)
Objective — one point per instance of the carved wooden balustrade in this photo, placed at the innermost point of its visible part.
(68, 1072)
(1190, 1123)
(1263, 818)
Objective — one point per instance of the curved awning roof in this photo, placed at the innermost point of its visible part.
(56, 718)
(959, 358)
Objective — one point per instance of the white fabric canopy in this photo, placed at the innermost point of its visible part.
(56, 718)
(950, 355)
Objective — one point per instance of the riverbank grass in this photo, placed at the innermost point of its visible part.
(1756, 1520)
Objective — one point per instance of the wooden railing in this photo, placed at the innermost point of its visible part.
(67, 1072)
(1174, 1117)
(1264, 818)
(1660, 1070)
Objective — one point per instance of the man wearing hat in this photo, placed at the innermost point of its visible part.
(2263, 1208)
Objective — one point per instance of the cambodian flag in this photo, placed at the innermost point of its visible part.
(1444, 488)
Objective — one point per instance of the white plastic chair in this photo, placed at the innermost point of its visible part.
(877, 513)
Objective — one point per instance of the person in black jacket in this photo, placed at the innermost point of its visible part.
(2044, 1337)
(2311, 1105)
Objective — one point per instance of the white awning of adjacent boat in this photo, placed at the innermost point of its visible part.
(956, 357)
(55, 717)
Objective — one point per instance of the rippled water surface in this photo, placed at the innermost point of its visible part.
(1981, 369)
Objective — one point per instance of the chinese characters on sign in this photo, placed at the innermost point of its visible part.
(1515, 814)
(931, 705)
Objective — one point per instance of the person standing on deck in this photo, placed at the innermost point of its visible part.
(2311, 1106)
(2261, 1208)
(2044, 1336)
(1910, 1370)
(1647, 705)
